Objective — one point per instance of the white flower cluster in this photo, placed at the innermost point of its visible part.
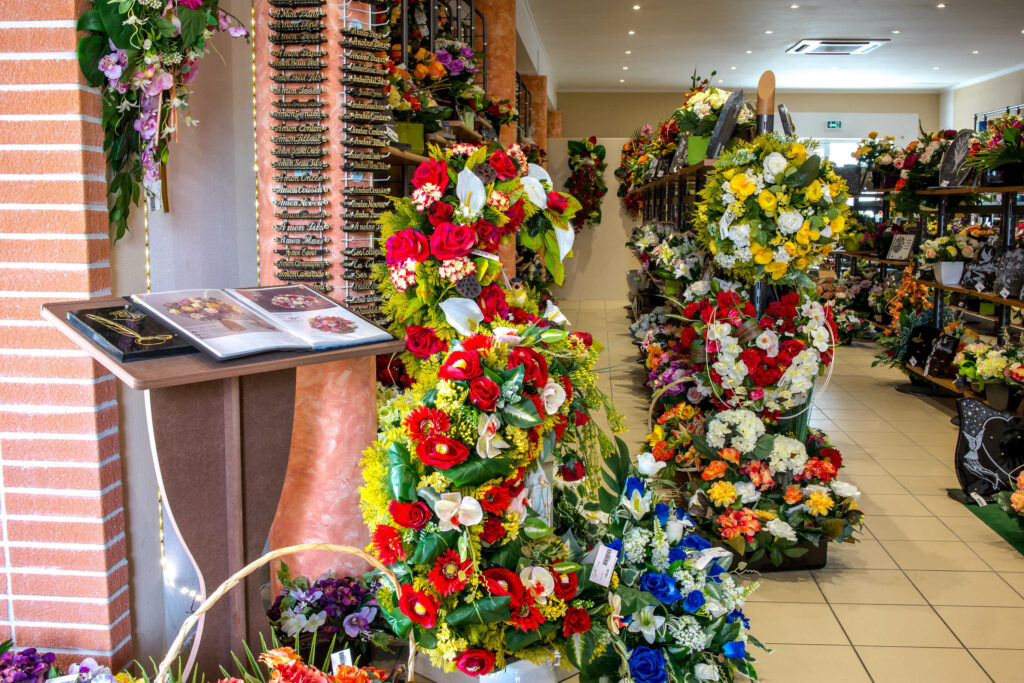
(424, 197)
(739, 429)
(455, 269)
(690, 580)
(788, 455)
(635, 545)
(403, 275)
(687, 633)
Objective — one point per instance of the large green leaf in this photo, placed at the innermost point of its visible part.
(193, 21)
(90, 50)
(534, 527)
(523, 414)
(517, 640)
(483, 611)
(90, 21)
(113, 24)
(401, 475)
(806, 174)
(399, 623)
(432, 545)
(508, 555)
(477, 471)
(634, 600)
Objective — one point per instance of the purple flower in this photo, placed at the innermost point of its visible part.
(444, 58)
(161, 81)
(466, 52)
(146, 126)
(360, 621)
(237, 31)
(111, 66)
(456, 67)
(150, 165)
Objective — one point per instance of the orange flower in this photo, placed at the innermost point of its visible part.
(662, 452)
(350, 674)
(730, 454)
(793, 495)
(420, 72)
(282, 656)
(738, 522)
(436, 70)
(714, 470)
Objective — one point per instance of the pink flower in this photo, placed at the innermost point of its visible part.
(756, 394)
(191, 4)
(223, 20)
(111, 66)
(193, 71)
(146, 127)
(161, 81)
(237, 31)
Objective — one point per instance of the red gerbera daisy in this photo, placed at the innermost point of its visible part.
(387, 543)
(450, 573)
(496, 500)
(423, 422)
(525, 615)
(493, 531)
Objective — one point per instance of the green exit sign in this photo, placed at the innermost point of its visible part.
(833, 124)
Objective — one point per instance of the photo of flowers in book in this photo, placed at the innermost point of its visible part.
(332, 323)
(203, 308)
(292, 301)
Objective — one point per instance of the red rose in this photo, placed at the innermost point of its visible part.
(577, 620)
(791, 347)
(581, 418)
(493, 531)
(477, 342)
(534, 365)
(460, 365)
(566, 585)
(475, 662)
(557, 202)
(440, 213)
(501, 581)
(516, 215)
(452, 241)
(441, 452)
(483, 393)
(503, 165)
(585, 337)
(431, 172)
(833, 456)
(422, 342)
(492, 303)
(410, 515)
(488, 234)
(407, 244)
(418, 606)
(573, 471)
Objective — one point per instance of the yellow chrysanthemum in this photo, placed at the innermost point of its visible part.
(819, 503)
(722, 493)
(813, 191)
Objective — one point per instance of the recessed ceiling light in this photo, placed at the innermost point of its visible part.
(625, 68)
(896, 31)
(974, 52)
(629, 52)
(636, 6)
(769, 32)
(935, 68)
(941, 5)
(732, 68)
(794, 7)
(750, 52)
(632, 33)
(622, 80)
(720, 80)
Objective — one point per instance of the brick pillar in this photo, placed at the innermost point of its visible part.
(500, 16)
(64, 585)
(554, 124)
(538, 87)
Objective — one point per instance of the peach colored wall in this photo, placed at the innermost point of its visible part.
(1003, 91)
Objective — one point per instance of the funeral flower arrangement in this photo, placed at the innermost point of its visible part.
(919, 170)
(669, 253)
(144, 54)
(701, 107)
(1012, 501)
(999, 144)
(586, 180)
(632, 170)
(983, 363)
(909, 305)
(286, 666)
(872, 148)
(771, 210)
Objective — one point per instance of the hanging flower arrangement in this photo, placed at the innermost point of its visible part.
(143, 54)
(586, 180)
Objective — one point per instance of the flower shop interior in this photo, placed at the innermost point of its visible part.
(511, 340)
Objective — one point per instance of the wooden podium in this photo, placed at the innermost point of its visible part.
(221, 433)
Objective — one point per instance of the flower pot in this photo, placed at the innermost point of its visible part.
(519, 670)
(889, 181)
(816, 557)
(697, 148)
(411, 134)
(948, 272)
(1002, 397)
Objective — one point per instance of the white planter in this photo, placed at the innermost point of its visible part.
(520, 671)
(948, 272)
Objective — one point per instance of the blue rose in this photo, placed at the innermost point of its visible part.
(735, 649)
(694, 601)
(615, 545)
(676, 554)
(697, 542)
(634, 484)
(737, 614)
(661, 586)
(647, 665)
(714, 572)
(661, 512)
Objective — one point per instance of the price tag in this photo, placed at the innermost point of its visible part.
(710, 555)
(604, 564)
(485, 254)
(978, 499)
(340, 659)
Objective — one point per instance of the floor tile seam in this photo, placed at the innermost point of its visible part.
(842, 627)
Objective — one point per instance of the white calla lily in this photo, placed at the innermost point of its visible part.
(462, 314)
(554, 313)
(566, 237)
(456, 512)
(648, 465)
(647, 623)
(535, 192)
(471, 193)
(539, 173)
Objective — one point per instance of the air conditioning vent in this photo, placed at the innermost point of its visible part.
(836, 46)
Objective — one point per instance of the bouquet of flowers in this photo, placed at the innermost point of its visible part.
(872, 148)
(890, 161)
(920, 169)
(459, 506)
(144, 55)
(632, 170)
(764, 494)
(959, 246)
(27, 665)
(286, 666)
(342, 612)
(415, 87)
(771, 210)
(999, 144)
(668, 253)
(502, 112)
(701, 107)
(908, 306)
(849, 326)
(983, 363)
(586, 180)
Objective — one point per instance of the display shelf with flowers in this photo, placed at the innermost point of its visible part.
(699, 112)
(772, 498)
(144, 56)
(632, 170)
(671, 256)
(875, 155)
(908, 307)
(919, 170)
(771, 211)
(586, 180)
(948, 255)
(850, 326)
(998, 152)
(995, 370)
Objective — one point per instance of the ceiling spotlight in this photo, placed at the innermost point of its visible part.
(622, 80)
(769, 31)
(636, 6)
(896, 31)
(632, 33)
(750, 52)
(629, 52)
(732, 68)
(794, 7)
(941, 5)
(935, 68)
(974, 52)
(720, 80)
(625, 68)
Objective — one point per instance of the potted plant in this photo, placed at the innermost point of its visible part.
(947, 256)
(871, 148)
(986, 366)
(698, 115)
(998, 152)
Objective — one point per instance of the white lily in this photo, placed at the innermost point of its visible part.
(648, 466)
(462, 314)
(647, 623)
(565, 236)
(554, 313)
(455, 511)
(539, 582)
(638, 505)
(674, 529)
(490, 444)
(471, 193)
(507, 335)
(552, 396)
(535, 192)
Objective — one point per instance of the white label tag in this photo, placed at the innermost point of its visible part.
(484, 254)
(1005, 293)
(154, 196)
(980, 287)
(978, 499)
(604, 564)
(710, 555)
(340, 659)
(913, 362)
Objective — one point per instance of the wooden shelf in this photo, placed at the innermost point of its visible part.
(987, 296)
(401, 157)
(462, 132)
(1016, 189)
(945, 383)
(982, 316)
(702, 167)
(870, 256)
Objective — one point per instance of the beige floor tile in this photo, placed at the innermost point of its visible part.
(796, 623)
(892, 504)
(894, 625)
(1015, 579)
(872, 426)
(874, 483)
(972, 529)
(933, 438)
(968, 589)
(886, 528)
(929, 485)
(784, 587)
(803, 664)
(916, 467)
(999, 555)
(994, 627)
(1004, 666)
(879, 438)
(865, 554)
(935, 555)
(868, 586)
(898, 451)
(944, 506)
(856, 466)
(903, 664)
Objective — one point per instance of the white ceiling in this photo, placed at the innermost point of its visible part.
(587, 40)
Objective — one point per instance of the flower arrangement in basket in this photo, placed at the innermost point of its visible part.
(771, 210)
(144, 54)
(586, 180)
(984, 364)
(459, 506)
(1012, 501)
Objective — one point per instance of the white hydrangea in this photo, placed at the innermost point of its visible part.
(845, 490)
(787, 454)
(780, 529)
(742, 426)
(635, 545)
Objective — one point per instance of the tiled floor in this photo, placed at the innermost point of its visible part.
(929, 594)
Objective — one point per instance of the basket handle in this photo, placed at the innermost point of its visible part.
(236, 578)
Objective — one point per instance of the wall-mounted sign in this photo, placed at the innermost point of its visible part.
(835, 124)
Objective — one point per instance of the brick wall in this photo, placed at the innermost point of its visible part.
(64, 580)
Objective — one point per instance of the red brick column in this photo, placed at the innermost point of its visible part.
(64, 585)
(501, 55)
(538, 87)
(554, 124)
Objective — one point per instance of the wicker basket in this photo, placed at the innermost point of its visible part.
(236, 578)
